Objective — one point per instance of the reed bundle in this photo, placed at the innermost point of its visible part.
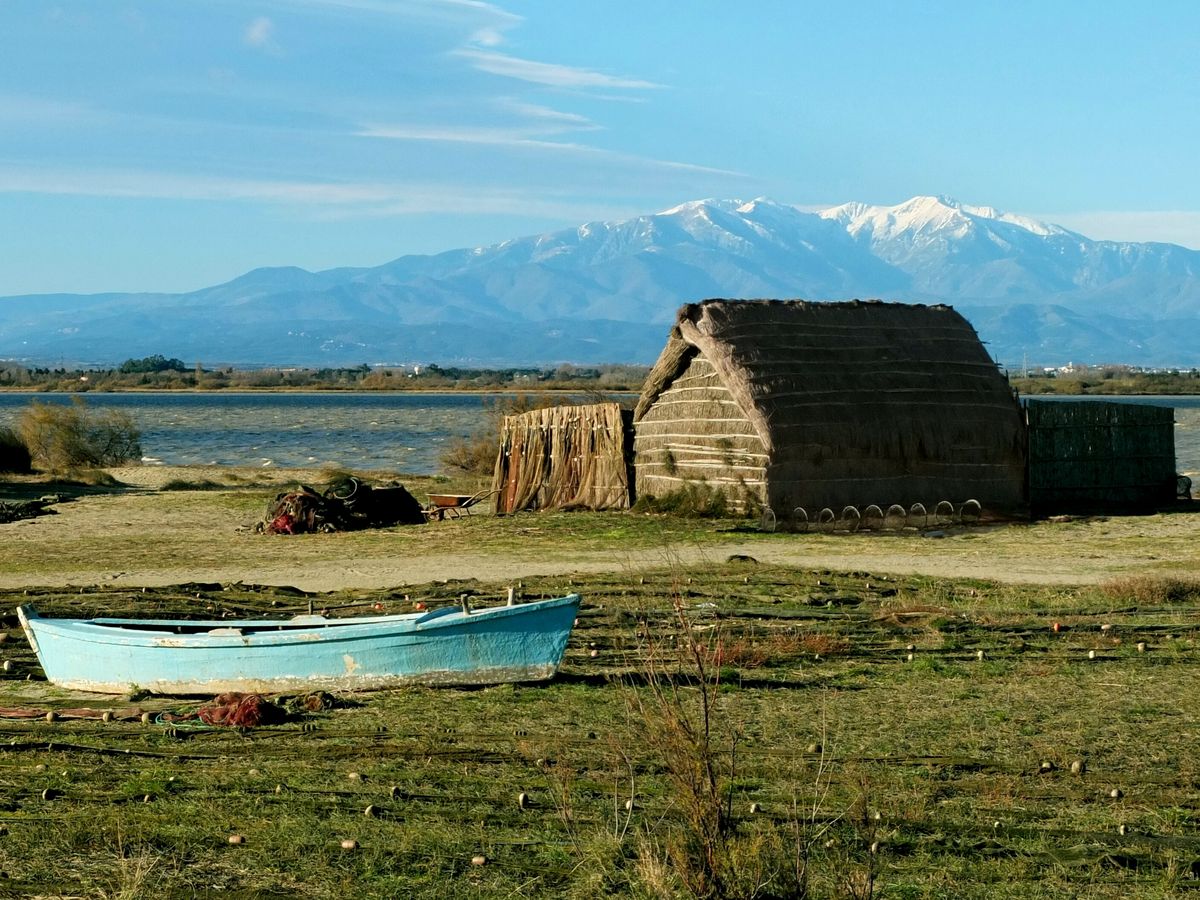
(1100, 456)
(561, 458)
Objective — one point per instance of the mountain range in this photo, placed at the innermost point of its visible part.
(608, 291)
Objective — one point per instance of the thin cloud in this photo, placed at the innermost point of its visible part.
(487, 37)
(260, 34)
(163, 185)
(24, 108)
(549, 74)
(515, 137)
(492, 17)
(548, 116)
(423, 201)
(322, 200)
(532, 122)
(463, 134)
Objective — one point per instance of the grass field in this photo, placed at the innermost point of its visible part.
(869, 733)
(943, 775)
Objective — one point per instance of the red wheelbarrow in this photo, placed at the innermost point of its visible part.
(454, 505)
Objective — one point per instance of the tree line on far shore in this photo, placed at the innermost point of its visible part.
(161, 373)
(158, 372)
(1108, 380)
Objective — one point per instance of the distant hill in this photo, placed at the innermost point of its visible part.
(607, 292)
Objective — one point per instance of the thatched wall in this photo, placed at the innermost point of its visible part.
(563, 457)
(1100, 456)
(853, 403)
(670, 451)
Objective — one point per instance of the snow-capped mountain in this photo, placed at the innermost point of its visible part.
(606, 291)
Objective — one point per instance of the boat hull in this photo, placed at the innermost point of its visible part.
(522, 642)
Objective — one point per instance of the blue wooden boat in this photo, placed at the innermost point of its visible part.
(449, 645)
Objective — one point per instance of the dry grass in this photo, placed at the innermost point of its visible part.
(768, 650)
(1152, 590)
(938, 761)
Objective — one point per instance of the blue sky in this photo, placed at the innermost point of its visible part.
(171, 145)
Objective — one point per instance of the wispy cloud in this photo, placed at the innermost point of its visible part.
(527, 125)
(548, 116)
(164, 185)
(550, 74)
(488, 16)
(25, 108)
(464, 134)
(487, 37)
(519, 138)
(323, 200)
(260, 34)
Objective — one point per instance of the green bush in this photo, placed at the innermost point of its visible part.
(63, 438)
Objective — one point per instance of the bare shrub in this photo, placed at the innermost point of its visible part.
(476, 454)
(63, 438)
(14, 455)
(699, 844)
(676, 717)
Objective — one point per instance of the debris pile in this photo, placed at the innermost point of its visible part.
(15, 510)
(349, 504)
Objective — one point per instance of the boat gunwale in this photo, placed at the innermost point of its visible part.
(235, 632)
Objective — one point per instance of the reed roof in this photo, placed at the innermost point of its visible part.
(873, 366)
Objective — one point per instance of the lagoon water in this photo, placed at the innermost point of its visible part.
(398, 432)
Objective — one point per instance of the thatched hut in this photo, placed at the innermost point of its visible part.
(563, 457)
(802, 407)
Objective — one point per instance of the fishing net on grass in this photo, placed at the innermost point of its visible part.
(236, 710)
(233, 710)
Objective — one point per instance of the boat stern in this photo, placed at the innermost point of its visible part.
(26, 613)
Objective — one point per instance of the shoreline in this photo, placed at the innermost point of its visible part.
(498, 390)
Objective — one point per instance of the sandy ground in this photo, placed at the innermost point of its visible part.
(142, 537)
(154, 477)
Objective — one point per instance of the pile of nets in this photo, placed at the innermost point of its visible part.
(348, 504)
(233, 710)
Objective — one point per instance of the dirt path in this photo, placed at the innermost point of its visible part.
(378, 573)
(147, 536)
